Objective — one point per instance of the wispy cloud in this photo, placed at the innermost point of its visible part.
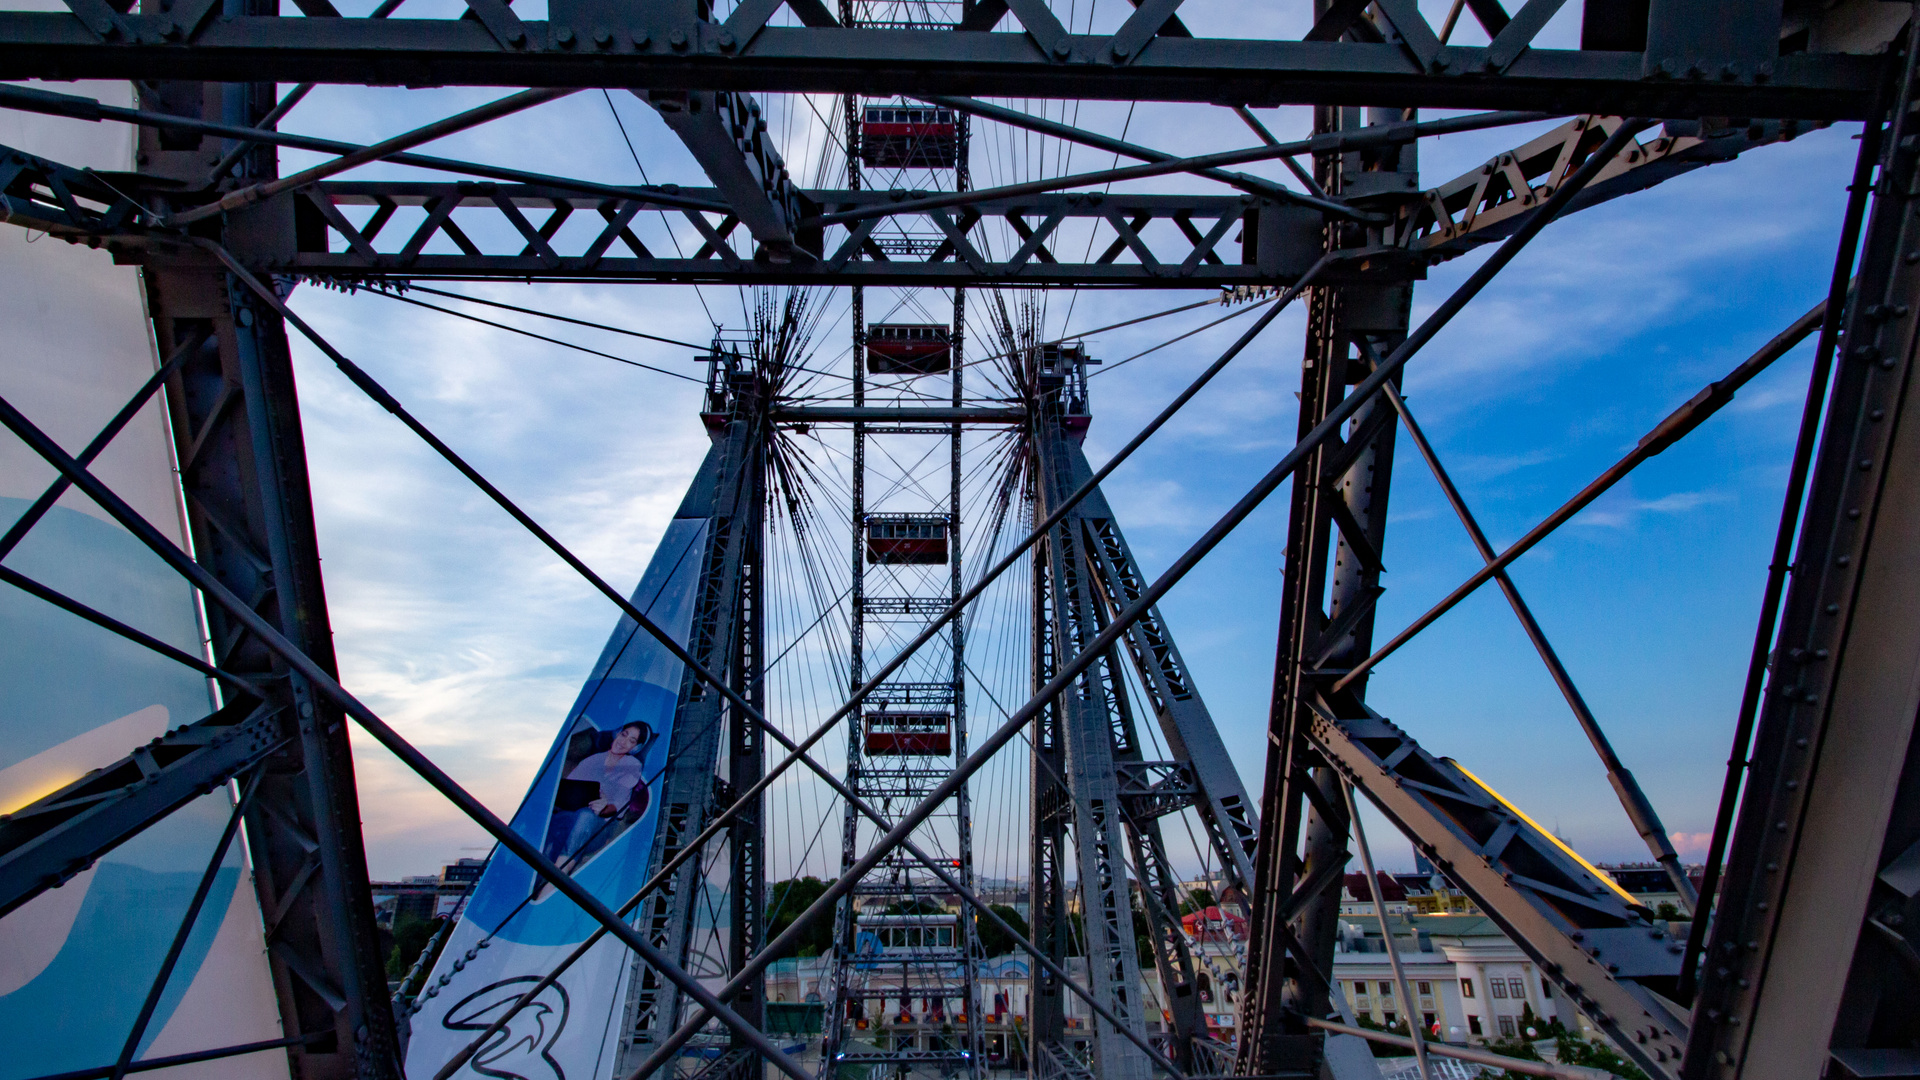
(1624, 513)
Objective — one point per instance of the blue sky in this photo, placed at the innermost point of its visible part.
(466, 634)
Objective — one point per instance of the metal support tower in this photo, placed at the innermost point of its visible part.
(730, 494)
(1334, 542)
(898, 937)
(242, 462)
(1091, 769)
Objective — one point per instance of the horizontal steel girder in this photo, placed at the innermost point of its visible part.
(518, 231)
(381, 231)
(45, 843)
(847, 414)
(695, 55)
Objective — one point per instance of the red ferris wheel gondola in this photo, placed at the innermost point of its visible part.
(904, 137)
(909, 349)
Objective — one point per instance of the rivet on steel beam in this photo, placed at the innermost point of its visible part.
(602, 37)
(726, 40)
(564, 36)
(640, 37)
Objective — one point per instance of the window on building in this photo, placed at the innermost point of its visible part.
(1546, 990)
(1499, 987)
(1506, 1026)
(1425, 988)
(1428, 1020)
(1473, 1026)
(1466, 988)
(1389, 1019)
(1517, 988)
(1386, 989)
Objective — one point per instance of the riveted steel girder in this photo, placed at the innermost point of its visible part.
(878, 61)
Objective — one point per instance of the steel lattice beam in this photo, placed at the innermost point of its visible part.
(45, 843)
(671, 50)
(729, 494)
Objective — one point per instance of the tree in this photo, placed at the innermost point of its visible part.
(993, 940)
(787, 899)
(410, 936)
(1574, 1050)
(1197, 900)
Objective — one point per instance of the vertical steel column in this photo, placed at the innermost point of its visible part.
(1339, 510)
(1086, 737)
(729, 493)
(1158, 885)
(1049, 805)
(1216, 789)
(834, 1024)
(975, 1029)
(1811, 960)
(746, 764)
(236, 428)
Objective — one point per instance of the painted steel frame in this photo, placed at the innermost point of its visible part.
(967, 1053)
(667, 46)
(233, 404)
(1811, 962)
(729, 494)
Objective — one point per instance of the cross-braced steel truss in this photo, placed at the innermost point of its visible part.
(1801, 960)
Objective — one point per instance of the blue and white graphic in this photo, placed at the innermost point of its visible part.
(76, 961)
(592, 810)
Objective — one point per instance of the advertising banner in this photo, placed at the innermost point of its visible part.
(592, 810)
(77, 961)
